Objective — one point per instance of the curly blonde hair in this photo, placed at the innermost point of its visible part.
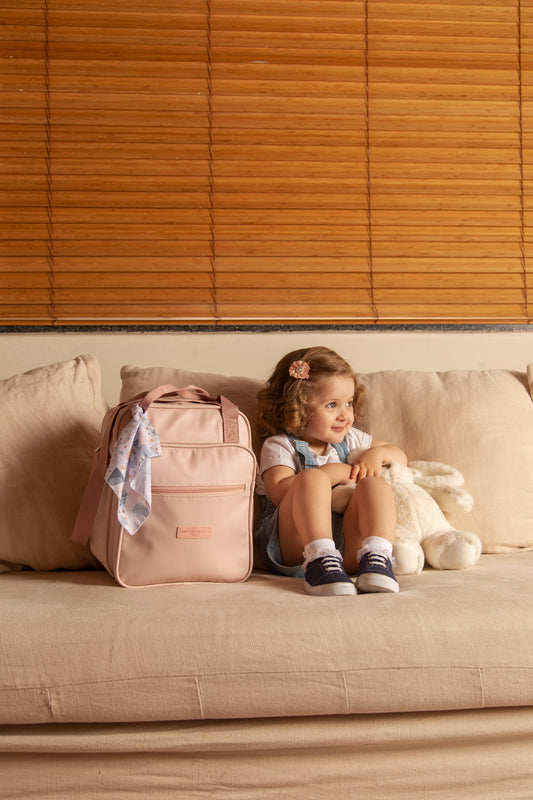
(285, 403)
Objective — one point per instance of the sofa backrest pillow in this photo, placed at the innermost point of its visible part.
(50, 421)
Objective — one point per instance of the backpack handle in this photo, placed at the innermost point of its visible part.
(187, 393)
(230, 412)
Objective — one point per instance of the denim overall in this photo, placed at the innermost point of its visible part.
(266, 535)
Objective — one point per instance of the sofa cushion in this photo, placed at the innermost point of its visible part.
(50, 422)
(75, 647)
(480, 421)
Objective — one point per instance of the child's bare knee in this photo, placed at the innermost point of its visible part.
(313, 478)
(373, 483)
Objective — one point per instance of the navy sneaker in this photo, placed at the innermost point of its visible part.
(376, 575)
(326, 576)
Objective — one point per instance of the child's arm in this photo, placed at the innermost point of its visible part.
(369, 463)
(277, 480)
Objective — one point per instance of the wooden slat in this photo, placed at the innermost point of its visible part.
(453, 313)
(475, 285)
(448, 233)
(496, 13)
(95, 217)
(123, 21)
(116, 167)
(294, 265)
(289, 186)
(187, 187)
(289, 249)
(300, 199)
(90, 265)
(384, 54)
(275, 283)
(469, 140)
(273, 234)
(145, 197)
(308, 305)
(315, 55)
(152, 248)
(291, 8)
(193, 295)
(135, 51)
(127, 72)
(307, 75)
(391, 202)
(279, 218)
(445, 187)
(452, 249)
(433, 220)
(191, 307)
(131, 285)
(482, 267)
(418, 121)
(122, 103)
(440, 91)
(417, 75)
(462, 156)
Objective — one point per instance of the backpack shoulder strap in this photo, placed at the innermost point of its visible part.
(91, 497)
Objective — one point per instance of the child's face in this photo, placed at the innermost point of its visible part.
(333, 414)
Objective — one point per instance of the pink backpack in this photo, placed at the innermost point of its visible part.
(198, 527)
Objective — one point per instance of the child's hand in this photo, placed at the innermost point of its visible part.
(368, 464)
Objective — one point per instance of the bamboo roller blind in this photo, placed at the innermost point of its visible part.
(243, 161)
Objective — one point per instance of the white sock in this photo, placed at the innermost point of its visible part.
(375, 544)
(318, 548)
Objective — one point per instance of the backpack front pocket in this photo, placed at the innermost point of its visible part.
(200, 521)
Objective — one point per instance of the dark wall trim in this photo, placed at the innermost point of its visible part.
(252, 328)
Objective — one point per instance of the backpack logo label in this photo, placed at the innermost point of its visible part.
(193, 532)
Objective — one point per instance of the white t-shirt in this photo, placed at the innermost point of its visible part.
(278, 451)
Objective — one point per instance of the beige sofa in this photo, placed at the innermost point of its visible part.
(255, 690)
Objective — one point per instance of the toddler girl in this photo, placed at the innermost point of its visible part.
(305, 416)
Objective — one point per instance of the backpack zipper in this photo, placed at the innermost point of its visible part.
(230, 489)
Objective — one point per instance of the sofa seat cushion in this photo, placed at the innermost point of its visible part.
(75, 647)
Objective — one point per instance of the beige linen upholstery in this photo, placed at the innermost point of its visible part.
(50, 425)
(480, 421)
(87, 650)
(448, 755)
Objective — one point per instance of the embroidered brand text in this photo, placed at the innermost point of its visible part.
(198, 532)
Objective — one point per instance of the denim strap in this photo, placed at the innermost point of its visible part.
(308, 459)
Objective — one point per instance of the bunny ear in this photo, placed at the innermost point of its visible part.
(433, 474)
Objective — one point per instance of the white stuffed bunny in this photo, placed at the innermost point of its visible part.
(423, 490)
